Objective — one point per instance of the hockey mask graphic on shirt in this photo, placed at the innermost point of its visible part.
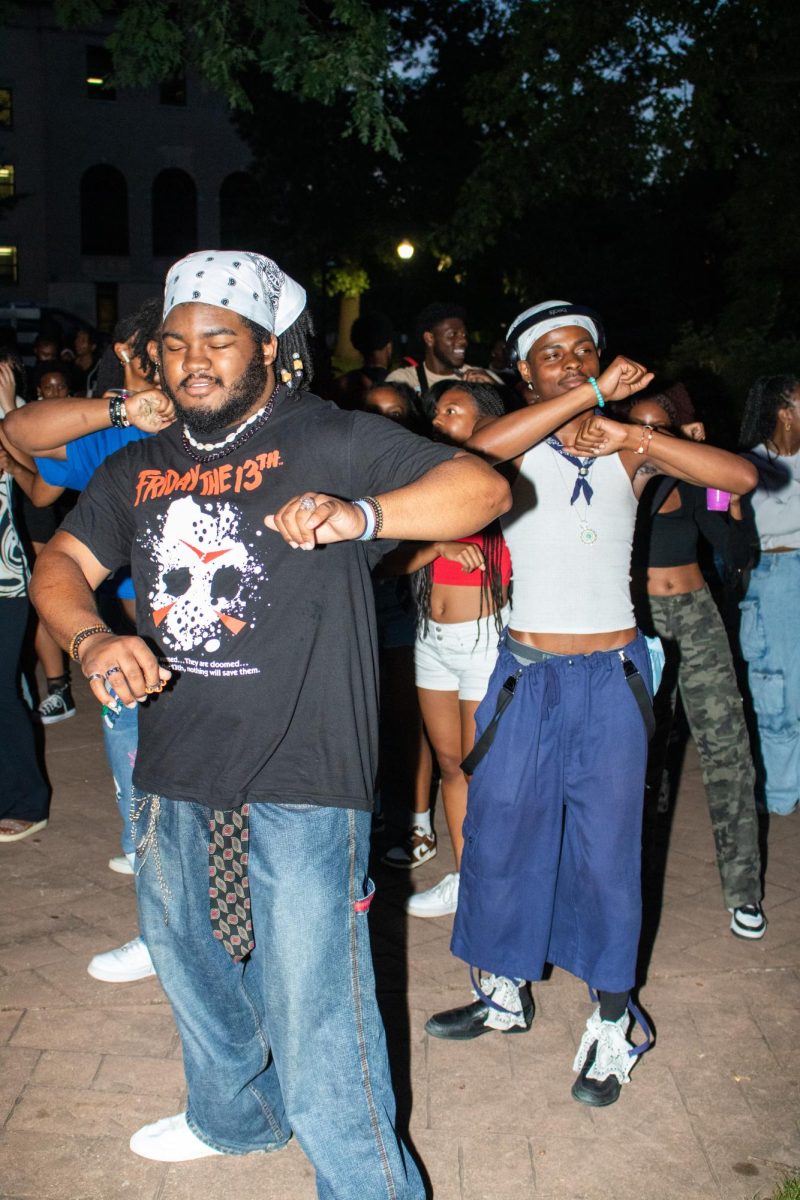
(206, 576)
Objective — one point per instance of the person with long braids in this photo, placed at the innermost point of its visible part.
(551, 870)
(770, 434)
(461, 593)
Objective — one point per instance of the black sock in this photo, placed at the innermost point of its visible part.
(57, 683)
(612, 1005)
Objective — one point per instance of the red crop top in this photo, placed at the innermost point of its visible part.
(451, 573)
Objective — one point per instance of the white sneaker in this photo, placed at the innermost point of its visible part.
(123, 965)
(170, 1140)
(122, 864)
(748, 921)
(438, 901)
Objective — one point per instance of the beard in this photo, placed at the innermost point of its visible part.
(241, 398)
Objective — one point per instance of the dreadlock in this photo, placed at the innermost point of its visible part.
(294, 364)
(488, 403)
(768, 395)
(137, 328)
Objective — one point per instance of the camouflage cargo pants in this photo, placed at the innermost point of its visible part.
(699, 663)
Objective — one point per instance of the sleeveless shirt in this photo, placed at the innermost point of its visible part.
(563, 584)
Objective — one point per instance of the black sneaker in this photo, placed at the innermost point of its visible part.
(58, 706)
(748, 921)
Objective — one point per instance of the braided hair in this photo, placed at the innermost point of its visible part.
(768, 395)
(137, 328)
(488, 403)
(294, 364)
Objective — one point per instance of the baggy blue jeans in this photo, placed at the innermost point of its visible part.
(771, 647)
(121, 741)
(291, 1040)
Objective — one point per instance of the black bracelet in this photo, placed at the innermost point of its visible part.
(117, 413)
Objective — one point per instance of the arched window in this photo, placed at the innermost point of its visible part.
(239, 213)
(104, 211)
(174, 214)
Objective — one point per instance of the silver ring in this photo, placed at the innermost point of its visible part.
(308, 504)
(112, 671)
(95, 675)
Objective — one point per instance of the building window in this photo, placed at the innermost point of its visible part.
(104, 211)
(7, 182)
(106, 304)
(239, 212)
(174, 213)
(6, 108)
(173, 91)
(99, 74)
(9, 265)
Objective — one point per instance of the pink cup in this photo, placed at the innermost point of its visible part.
(717, 501)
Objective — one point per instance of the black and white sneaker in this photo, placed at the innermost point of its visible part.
(58, 706)
(748, 921)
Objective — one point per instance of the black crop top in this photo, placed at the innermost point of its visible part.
(670, 539)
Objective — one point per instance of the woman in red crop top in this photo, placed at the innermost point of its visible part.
(461, 589)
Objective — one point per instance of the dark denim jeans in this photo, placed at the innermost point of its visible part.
(290, 1040)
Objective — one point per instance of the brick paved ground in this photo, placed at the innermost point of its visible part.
(712, 1112)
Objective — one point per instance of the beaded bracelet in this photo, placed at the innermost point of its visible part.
(600, 401)
(82, 635)
(647, 432)
(117, 413)
(369, 535)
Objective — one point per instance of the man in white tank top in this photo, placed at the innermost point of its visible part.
(551, 866)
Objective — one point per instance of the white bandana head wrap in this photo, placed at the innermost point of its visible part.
(250, 284)
(558, 321)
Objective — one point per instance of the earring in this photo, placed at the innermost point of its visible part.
(286, 376)
(530, 386)
(297, 365)
(126, 358)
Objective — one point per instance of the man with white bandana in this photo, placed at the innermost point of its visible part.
(552, 837)
(250, 526)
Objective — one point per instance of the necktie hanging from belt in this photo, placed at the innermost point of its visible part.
(228, 884)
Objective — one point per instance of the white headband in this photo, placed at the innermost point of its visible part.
(534, 332)
(252, 285)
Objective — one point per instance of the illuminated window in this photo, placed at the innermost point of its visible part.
(6, 181)
(8, 264)
(98, 74)
(6, 108)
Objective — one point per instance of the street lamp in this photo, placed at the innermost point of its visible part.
(405, 249)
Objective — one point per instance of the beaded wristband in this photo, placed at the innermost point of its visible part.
(82, 635)
(371, 504)
(647, 432)
(117, 413)
(369, 515)
(600, 401)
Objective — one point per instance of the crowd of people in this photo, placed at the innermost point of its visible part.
(510, 573)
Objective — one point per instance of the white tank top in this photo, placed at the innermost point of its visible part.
(566, 580)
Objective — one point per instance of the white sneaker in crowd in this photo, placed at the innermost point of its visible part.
(123, 965)
(748, 921)
(122, 864)
(438, 901)
(418, 848)
(169, 1140)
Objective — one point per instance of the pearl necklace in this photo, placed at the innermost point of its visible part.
(236, 438)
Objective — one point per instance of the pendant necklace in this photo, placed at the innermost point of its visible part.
(582, 489)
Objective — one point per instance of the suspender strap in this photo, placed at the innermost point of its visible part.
(481, 747)
(640, 694)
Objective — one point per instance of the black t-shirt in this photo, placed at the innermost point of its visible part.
(273, 650)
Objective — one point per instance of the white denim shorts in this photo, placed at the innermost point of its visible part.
(458, 657)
